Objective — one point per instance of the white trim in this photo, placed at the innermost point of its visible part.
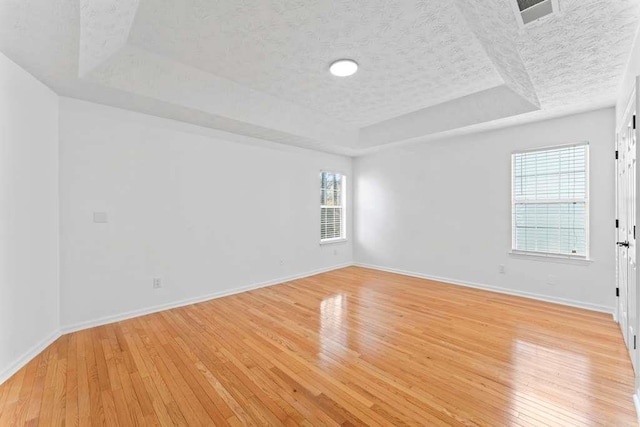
(38, 348)
(551, 147)
(331, 241)
(342, 206)
(28, 356)
(586, 200)
(334, 171)
(544, 256)
(636, 403)
(188, 301)
(531, 295)
(587, 206)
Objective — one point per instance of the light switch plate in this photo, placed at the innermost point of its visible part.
(100, 217)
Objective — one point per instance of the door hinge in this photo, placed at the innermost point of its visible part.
(617, 292)
(617, 223)
(634, 232)
(634, 342)
(634, 121)
(616, 154)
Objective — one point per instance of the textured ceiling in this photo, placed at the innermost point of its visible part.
(412, 53)
(259, 68)
(105, 30)
(578, 57)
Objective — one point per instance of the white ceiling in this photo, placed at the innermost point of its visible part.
(259, 67)
(284, 48)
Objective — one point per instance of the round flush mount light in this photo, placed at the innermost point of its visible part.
(343, 67)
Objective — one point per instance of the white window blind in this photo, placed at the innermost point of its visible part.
(550, 198)
(332, 224)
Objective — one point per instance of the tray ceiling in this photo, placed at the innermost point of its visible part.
(260, 68)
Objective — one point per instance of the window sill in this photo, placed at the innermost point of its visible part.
(562, 259)
(332, 241)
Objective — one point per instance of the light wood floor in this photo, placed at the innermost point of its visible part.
(350, 347)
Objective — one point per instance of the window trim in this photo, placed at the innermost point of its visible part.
(343, 237)
(545, 257)
(333, 241)
(553, 256)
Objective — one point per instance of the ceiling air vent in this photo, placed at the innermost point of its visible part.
(528, 11)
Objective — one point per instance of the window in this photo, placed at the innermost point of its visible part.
(332, 210)
(550, 197)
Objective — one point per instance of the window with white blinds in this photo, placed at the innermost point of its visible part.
(550, 197)
(332, 210)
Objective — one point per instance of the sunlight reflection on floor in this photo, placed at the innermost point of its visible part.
(333, 338)
(535, 382)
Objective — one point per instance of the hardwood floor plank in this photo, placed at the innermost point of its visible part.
(48, 395)
(349, 347)
(10, 406)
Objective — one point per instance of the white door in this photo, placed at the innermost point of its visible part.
(626, 230)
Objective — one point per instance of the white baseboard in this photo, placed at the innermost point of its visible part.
(636, 403)
(28, 356)
(181, 303)
(540, 297)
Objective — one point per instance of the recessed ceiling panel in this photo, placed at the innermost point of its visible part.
(411, 54)
(261, 68)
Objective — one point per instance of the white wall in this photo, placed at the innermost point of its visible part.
(443, 209)
(29, 286)
(206, 211)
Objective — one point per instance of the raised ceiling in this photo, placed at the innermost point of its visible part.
(260, 68)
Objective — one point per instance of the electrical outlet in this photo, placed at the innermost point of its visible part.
(335, 252)
(501, 269)
(281, 262)
(552, 280)
(157, 283)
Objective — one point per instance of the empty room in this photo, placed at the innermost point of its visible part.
(319, 212)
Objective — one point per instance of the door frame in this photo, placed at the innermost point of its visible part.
(634, 98)
(635, 92)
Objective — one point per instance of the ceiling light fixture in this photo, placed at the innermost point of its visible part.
(343, 67)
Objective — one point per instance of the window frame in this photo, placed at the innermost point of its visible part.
(587, 199)
(343, 205)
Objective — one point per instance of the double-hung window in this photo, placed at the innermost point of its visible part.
(550, 201)
(332, 207)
